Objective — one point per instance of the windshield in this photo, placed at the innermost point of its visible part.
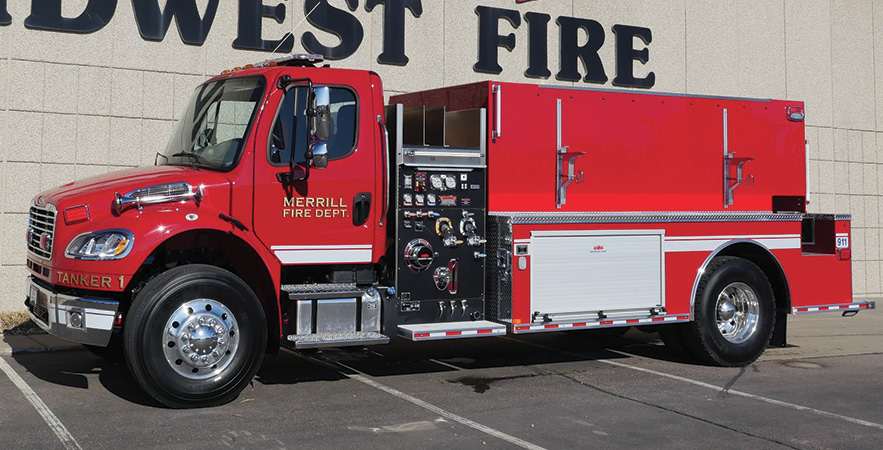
(215, 124)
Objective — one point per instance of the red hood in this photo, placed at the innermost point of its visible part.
(123, 181)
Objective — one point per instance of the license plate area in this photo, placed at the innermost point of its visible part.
(39, 301)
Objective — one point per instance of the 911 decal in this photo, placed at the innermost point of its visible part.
(842, 242)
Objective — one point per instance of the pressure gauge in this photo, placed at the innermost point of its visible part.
(436, 182)
(450, 182)
(407, 199)
(419, 200)
(431, 200)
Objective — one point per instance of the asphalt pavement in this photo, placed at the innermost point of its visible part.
(552, 390)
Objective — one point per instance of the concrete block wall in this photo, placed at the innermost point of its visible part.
(75, 105)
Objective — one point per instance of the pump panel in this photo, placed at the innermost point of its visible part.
(440, 234)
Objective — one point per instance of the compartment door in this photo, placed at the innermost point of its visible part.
(583, 273)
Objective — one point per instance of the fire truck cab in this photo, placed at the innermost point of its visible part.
(292, 207)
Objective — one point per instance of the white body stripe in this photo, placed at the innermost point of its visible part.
(697, 244)
(321, 247)
(324, 255)
(711, 243)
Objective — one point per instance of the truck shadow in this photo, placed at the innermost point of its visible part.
(74, 368)
(77, 368)
(402, 357)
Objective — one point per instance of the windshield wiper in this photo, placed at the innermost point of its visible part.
(192, 156)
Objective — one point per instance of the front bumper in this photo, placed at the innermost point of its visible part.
(84, 320)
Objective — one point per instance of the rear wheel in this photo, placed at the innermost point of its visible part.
(195, 336)
(734, 313)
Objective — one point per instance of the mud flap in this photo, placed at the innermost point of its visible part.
(780, 334)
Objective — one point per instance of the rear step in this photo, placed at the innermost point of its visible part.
(451, 330)
(339, 339)
(322, 291)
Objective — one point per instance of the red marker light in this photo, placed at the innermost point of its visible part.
(76, 214)
(845, 254)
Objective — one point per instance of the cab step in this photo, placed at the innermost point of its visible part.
(321, 291)
(338, 339)
(451, 330)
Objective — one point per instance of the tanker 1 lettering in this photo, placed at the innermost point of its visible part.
(314, 207)
(83, 280)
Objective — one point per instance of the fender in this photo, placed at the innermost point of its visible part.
(210, 221)
(722, 250)
(207, 218)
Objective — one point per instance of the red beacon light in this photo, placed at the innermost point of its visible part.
(76, 214)
(795, 113)
(293, 60)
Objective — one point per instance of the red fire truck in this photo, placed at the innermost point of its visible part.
(292, 208)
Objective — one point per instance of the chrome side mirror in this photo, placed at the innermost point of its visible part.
(322, 118)
(320, 155)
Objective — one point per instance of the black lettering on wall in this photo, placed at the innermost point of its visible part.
(337, 22)
(538, 44)
(572, 52)
(251, 15)
(153, 23)
(5, 18)
(489, 38)
(626, 55)
(394, 28)
(46, 15)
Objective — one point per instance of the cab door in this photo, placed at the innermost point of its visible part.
(328, 218)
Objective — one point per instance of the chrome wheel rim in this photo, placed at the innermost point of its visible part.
(737, 312)
(200, 339)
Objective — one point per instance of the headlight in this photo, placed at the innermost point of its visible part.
(103, 245)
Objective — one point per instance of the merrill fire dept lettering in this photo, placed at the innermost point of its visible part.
(314, 207)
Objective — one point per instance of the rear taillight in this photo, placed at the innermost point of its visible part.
(844, 254)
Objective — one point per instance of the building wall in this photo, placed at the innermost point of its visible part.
(74, 105)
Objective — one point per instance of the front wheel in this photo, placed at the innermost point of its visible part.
(195, 336)
(734, 313)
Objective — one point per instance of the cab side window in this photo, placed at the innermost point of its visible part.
(290, 131)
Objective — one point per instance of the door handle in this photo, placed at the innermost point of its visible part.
(361, 208)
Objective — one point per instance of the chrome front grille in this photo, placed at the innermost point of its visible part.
(41, 231)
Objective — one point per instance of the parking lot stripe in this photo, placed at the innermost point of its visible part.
(360, 377)
(365, 379)
(743, 394)
(708, 385)
(57, 427)
(442, 363)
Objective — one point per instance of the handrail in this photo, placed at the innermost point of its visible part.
(385, 168)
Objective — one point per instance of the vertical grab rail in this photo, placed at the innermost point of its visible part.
(498, 109)
(731, 183)
(566, 167)
(386, 183)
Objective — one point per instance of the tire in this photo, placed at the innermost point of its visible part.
(195, 336)
(734, 313)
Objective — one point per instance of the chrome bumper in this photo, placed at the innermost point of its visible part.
(84, 320)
